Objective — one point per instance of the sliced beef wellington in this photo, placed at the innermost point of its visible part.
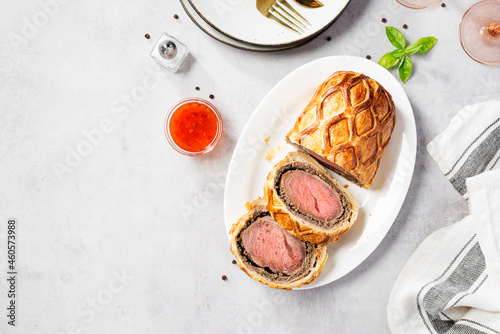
(307, 201)
(346, 126)
(270, 255)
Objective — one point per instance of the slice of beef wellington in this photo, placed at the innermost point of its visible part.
(346, 126)
(307, 201)
(270, 255)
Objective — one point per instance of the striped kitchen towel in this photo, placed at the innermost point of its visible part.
(470, 145)
(451, 283)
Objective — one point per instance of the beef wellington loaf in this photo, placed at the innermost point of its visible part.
(307, 201)
(270, 255)
(347, 126)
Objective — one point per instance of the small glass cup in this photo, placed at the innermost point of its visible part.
(418, 4)
(196, 102)
(479, 32)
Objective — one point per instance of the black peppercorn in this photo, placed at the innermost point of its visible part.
(224, 277)
(384, 20)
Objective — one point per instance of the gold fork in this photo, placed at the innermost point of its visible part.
(282, 13)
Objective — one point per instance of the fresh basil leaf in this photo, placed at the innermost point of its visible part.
(395, 37)
(405, 69)
(426, 43)
(411, 49)
(398, 53)
(388, 60)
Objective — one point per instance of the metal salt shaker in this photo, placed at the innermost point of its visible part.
(169, 52)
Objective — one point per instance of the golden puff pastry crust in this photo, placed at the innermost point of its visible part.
(315, 255)
(347, 126)
(300, 224)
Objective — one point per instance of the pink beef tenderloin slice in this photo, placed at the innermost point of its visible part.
(311, 195)
(271, 246)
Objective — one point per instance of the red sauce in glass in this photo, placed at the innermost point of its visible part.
(193, 126)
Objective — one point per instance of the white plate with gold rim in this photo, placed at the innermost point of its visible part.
(211, 31)
(265, 132)
(241, 21)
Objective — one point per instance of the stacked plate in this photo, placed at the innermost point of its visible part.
(238, 23)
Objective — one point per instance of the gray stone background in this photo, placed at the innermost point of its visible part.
(103, 245)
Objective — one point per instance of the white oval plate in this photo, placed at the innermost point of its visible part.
(266, 130)
(211, 31)
(240, 20)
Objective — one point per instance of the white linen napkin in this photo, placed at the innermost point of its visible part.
(470, 144)
(451, 283)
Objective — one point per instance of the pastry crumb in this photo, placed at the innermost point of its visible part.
(282, 146)
(346, 186)
(247, 205)
(266, 140)
(270, 153)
